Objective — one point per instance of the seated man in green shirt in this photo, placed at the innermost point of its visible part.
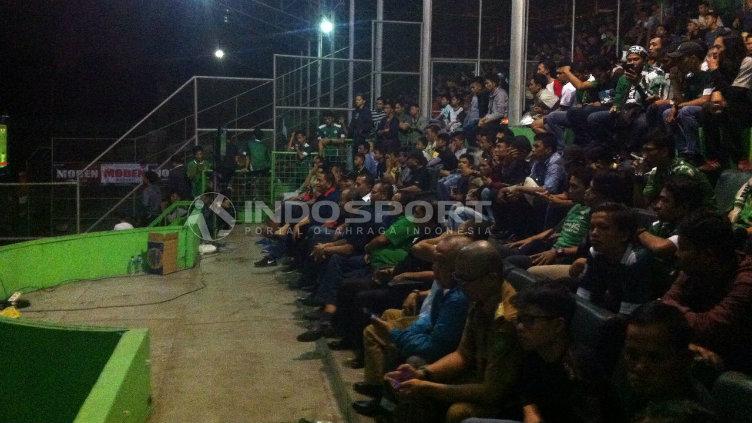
(559, 244)
(660, 157)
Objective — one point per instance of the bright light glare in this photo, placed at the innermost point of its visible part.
(326, 26)
(219, 53)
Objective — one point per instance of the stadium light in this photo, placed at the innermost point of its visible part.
(326, 26)
(219, 53)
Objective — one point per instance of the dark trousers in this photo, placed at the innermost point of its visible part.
(359, 297)
(334, 271)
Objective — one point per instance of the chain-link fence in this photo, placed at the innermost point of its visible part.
(36, 210)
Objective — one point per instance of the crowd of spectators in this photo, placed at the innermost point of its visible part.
(405, 253)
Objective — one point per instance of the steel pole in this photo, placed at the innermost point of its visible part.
(618, 28)
(332, 46)
(195, 110)
(378, 49)
(574, 8)
(425, 59)
(480, 32)
(319, 69)
(78, 206)
(517, 60)
(351, 56)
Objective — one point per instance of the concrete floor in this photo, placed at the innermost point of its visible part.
(224, 353)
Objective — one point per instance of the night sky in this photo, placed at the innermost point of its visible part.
(95, 67)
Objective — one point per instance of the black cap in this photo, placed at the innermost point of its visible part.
(688, 48)
(520, 143)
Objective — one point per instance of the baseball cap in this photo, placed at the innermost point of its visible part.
(688, 48)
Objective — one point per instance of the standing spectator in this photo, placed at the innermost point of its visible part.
(196, 172)
(177, 181)
(361, 123)
(478, 107)
(151, 198)
(378, 113)
(387, 131)
(259, 160)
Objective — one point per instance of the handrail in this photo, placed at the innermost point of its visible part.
(148, 115)
(131, 192)
(168, 211)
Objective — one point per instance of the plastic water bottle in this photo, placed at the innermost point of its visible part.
(139, 264)
(131, 265)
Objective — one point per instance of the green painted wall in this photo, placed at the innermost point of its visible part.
(123, 392)
(48, 371)
(33, 265)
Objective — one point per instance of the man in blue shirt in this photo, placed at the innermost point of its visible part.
(433, 335)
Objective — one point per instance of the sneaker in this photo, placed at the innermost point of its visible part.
(265, 262)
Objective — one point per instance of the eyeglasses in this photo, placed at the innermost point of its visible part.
(530, 319)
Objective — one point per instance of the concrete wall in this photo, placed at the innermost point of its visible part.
(39, 264)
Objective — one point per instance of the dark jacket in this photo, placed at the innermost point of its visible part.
(361, 125)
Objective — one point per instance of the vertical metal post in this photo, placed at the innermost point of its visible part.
(300, 88)
(78, 205)
(274, 102)
(236, 113)
(480, 32)
(574, 8)
(331, 63)
(351, 56)
(618, 28)
(425, 59)
(517, 60)
(319, 55)
(378, 48)
(308, 81)
(195, 110)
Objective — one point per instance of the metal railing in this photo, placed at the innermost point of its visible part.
(39, 209)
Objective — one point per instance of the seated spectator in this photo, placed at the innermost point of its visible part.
(389, 340)
(683, 115)
(498, 102)
(376, 162)
(446, 161)
(453, 114)
(384, 250)
(412, 127)
(543, 100)
(329, 132)
(657, 363)
(457, 144)
(477, 379)
(618, 274)
(559, 244)
(547, 166)
(559, 382)
(418, 179)
(714, 289)
(635, 90)
(741, 214)
(659, 157)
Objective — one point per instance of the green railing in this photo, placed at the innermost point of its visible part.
(171, 215)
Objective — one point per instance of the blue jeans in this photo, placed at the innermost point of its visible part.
(556, 122)
(688, 124)
(274, 248)
(446, 184)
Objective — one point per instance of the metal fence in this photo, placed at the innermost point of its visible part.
(41, 209)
